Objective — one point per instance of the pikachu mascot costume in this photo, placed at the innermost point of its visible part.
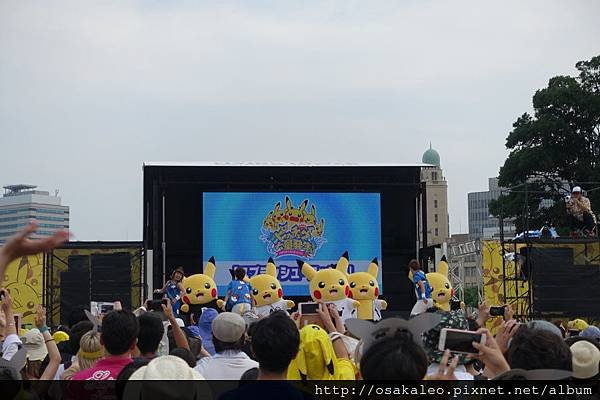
(267, 294)
(330, 285)
(441, 288)
(199, 291)
(364, 288)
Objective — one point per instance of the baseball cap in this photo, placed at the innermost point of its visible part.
(33, 342)
(60, 336)
(592, 333)
(576, 189)
(228, 327)
(586, 359)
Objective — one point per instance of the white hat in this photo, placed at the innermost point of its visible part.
(576, 189)
(228, 327)
(191, 386)
(586, 359)
(33, 341)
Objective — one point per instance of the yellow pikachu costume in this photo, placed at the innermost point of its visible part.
(330, 285)
(200, 290)
(365, 289)
(267, 294)
(441, 288)
(316, 359)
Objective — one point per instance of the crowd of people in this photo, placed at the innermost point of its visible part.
(146, 344)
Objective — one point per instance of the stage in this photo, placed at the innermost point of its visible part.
(193, 211)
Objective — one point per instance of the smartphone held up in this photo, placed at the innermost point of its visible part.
(459, 341)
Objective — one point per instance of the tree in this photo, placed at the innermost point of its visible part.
(553, 150)
(471, 297)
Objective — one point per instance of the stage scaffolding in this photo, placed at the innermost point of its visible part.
(458, 255)
(518, 274)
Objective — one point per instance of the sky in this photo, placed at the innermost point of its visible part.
(89, 90)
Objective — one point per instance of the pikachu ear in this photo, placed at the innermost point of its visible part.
(271, 269)
(24, 271)
(313, 210)
(328, 354)
(210, 268)
(342, 264)
(373, 268)
(277, 206)
(308, 271)
(303, 205)
(301, 362)
(288, 203)
(442, 267)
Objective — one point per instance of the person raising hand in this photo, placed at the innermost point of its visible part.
(21, 245)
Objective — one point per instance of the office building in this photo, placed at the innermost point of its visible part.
(483, 225)
(22, 203)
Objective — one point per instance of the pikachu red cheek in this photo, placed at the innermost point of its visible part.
(213, 292)
(279, 293)
(376, 291)
(317, 294)
(350, 295)
(347, 291)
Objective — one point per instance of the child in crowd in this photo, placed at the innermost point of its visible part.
(173, 288)
(422, 288)
(238, 298)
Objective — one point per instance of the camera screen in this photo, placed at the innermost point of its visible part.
(104, 308)
(462, 341)
(309, 308)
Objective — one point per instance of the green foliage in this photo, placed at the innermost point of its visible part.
(559, 143)
(471, 297)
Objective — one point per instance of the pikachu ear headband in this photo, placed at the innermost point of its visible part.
(370, 332)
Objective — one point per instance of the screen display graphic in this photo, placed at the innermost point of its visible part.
(242, 229)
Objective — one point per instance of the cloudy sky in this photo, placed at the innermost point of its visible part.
(89, 90)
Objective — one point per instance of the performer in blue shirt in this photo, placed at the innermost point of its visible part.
(422, 288)
(173, 289)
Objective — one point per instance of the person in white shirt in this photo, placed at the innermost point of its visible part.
(229, 362)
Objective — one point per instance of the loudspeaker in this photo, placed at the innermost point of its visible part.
(111, 278)
(561, 288)
(74, 286)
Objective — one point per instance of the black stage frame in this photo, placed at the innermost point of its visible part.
(172, 231)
